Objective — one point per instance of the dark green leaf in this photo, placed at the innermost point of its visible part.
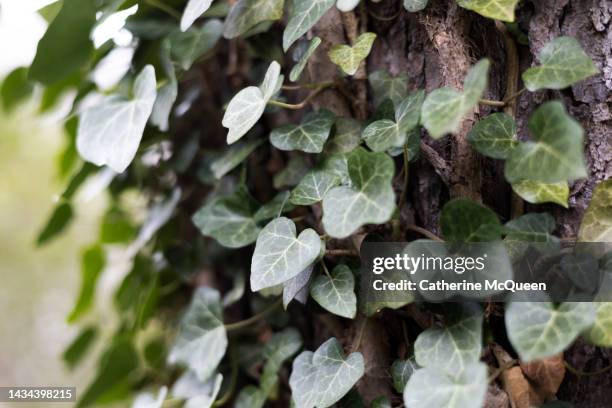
(494, 136)
(15, 88)
(75, 352)
(93, 262)
(59, 220)
(465, 221)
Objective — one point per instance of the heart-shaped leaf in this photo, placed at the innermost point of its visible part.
(109, 133)
(534, 227)
(279, 255)
(465, 221)
(401, 371)
(297, 69)
(294, 171)
(346, 5)
(233, 156)
(229, 219)
(348, 58)
(202, 340)
(246, 14)
(297, 287)
(305, 14)
(369, 199)
(597, 221)
(431, 387)
(494, 136)
(415, 5)
(563, 63)
(274, 208)
(335, 292)
(316, 183)
(600, 332)
(387, 86)
(346, 137)
(556, 155)
(279, 348)
(193, 10)
(536, 192)
(444, 108)
(453, 347)
(186, 47)
(541, 329)
(309, 136)
(247, 106)
(496, 9)
(195, 392)
(321, 378)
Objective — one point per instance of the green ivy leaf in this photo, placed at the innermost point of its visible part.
(202, 339)
(540, 329)
(93, 262)
(387, 86)
(291, 175)
(166, 95)
(556, 155)
(197, 393)
(279, 255)
(348, 58)
(15, 88)
(309, 136)
(229, 219)
(109, 133)
(444, 108)
(246, 14)
(250, 397)
(430, 387)
(597, 221)
(233, 156)
(297, 287)
(247, 106)
(563, 63)
(496, 9)
(59, 220)
(494, 136)
(346, 5)
(600, 332)
(415, 5)
(186, 47)
(335, 292)
(453, 347)
(317, 182)
(381, 402)
(66, 46)
(275, 207)
(305, 15)
(347, 136)
(193, 10)
(321, 378)
(297, 69)
(236, 292)
(465, 221)
(536, 192)
(77, 349)
(369, 199)
(281, 347)
(401, 371)
(534, 227)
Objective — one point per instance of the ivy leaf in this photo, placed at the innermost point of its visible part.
(166, 95)
(387, 86)
(335, 292)
(247, 106)
(279, 255)
(415, 5)
(316, 183)
(322, 378)
(309, 136)
(346, 5)
(186, 47)
(197, 393)
(246, 14)
(494, 136)
(347, 136)
(229, 219)
(540, 329)
(109, 133)
(297, 287)
(465, 221)
(534, 227)
(444, 108)
(369, 199)
(597, 221)
(74, 353)
(233, 156)
(193, 10)
(66, 46)
(236, 292)
(297, 69)
(57, 223)
(453, 347)
(496, 9)
(93, 262)
(291, 175)
(305, 15)
(401, 371)
(348, 58)
(556, 155)
(273, 208)
(250, 397)
(381, 402)
(600, 333)
(536, 192)
(202, 340)
(15, 88)
(430, 387)
(279, 348)
(564, 63)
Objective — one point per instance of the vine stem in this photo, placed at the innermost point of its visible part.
(424, 232)
(255, 318)
(341, 252)
(360, 336)
(402, 199)
(580, 373)
(325, 269)
(490, 102)
(165, 8)
(233, 380)
(304, 102)
(313, 85)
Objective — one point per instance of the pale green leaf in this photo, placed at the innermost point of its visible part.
(557, 152)
(202, 340)
(250, 397)
(277, 350)
(536, 192)
(463, 220)
(533, 227)
(309, 136)
(348, 58)
(444, 108)
(597, 221)
(346, 137)
(280, 255)
(336, 292)
(229, 219)
(186, 47)
(109, 133)
(494, 136)
(387, 86)
(233, 156)
(166, 95)
(315, 184)
(401, 371)
(563, 63)
(148, 400)
(431, 387)
(274, 208)
(346, 5)
(322, 378)
(297, 69)
(496, 9)
(600, 333)
(195, 392)
(369, 199)
(246, 14)
(415, 5)
(540, 329)
(297, 287)
(305, 14)
(193, 10)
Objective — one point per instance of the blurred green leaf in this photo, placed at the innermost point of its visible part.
(348, 57)
(465, 221)
(93, 262)
(246, 14)
(15, 89)
(186, 47)
(297, 69)
(193, 10)
(77, 349)
(536, 192)
(387, 86)
(57, 223)
(304, 15)
(494, 136)
(496, 9)
(597, 221)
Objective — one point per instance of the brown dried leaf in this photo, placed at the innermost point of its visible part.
(546, 374)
